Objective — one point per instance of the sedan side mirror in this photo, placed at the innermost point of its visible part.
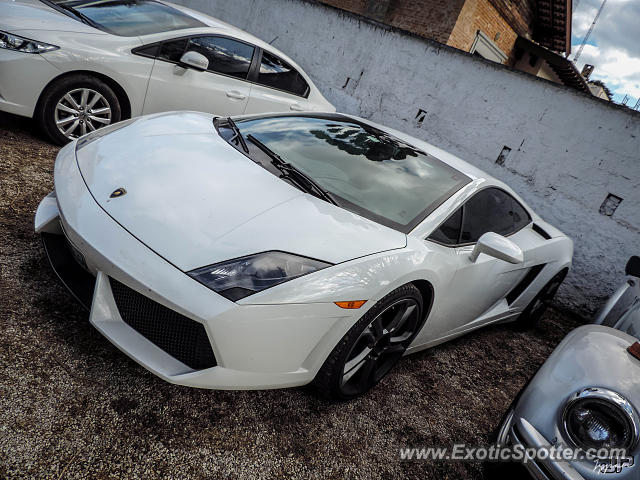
(194, 60)
(633, 267)
(499, 247)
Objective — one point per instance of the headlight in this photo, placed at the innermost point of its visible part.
(21, 44)
(239, 278)
(600, 418)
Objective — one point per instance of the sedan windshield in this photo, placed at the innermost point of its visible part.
(128, 18)
(362, 168)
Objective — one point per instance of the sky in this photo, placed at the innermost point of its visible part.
(614, 45)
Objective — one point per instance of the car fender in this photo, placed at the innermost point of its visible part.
(110, 57)
(366, 278)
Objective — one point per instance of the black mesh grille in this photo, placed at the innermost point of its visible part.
(179, 336)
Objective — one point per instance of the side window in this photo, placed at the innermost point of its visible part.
(150, 51)
(173, 50)
(521, 217)
(276, 73)
(226, 56)
(449, 231)
(490, 210)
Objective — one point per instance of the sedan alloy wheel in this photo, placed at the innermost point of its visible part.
(81, 111)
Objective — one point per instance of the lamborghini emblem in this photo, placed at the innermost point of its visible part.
(118, 193)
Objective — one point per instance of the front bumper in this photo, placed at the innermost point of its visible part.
(590, 355)
(255, 346)
(23, 77)
(519, 432)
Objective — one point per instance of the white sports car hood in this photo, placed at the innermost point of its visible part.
(195, 200)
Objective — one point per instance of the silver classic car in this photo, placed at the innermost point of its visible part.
(585, 398)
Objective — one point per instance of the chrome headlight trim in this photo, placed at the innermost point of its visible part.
(606, 396)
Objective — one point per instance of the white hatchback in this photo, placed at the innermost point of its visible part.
(77, 65)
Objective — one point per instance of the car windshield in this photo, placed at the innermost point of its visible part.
(130, 18)
(363, 168)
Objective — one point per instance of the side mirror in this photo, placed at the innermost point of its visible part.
(194, 60)
(499, 247)
(633, 267)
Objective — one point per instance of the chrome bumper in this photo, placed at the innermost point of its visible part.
(520, 432)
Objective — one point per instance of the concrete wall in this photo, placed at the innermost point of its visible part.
(568, 151)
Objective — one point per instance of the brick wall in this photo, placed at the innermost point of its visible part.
(482, 15)
(432, 19)
(520, 14)
(454, 22)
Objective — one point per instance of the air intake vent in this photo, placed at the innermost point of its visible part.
(540, 231)
(179, 336)
(528, 279)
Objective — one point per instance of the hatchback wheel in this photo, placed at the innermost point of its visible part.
(75, 106)
(372, 346)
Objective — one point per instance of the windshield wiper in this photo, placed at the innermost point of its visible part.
(80, 16)
(289, 171)
(237, 135)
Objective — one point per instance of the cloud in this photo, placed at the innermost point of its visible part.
(613, 47)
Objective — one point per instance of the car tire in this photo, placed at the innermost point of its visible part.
(78, 104)
(532, 314)
(369, 348)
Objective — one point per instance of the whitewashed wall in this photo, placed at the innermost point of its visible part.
(568, 150)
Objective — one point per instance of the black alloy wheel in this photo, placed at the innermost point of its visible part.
(372, 346)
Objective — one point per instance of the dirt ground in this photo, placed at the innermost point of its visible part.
(73, 406)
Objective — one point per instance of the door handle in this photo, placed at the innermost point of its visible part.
(296, 108)
(236, 95)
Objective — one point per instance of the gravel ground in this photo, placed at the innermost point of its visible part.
(73, 406)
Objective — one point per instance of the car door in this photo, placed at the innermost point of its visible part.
(222, 89)
(278, 87)
(477, 291)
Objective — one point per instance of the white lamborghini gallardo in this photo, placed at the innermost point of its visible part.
(277, 250)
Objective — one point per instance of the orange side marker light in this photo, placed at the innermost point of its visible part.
(351, 304)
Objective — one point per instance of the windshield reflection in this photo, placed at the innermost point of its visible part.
(132, 17)
(356, 141)
(370, 172)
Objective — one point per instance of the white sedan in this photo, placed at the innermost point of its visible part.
(277, 250)
(77, 65)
